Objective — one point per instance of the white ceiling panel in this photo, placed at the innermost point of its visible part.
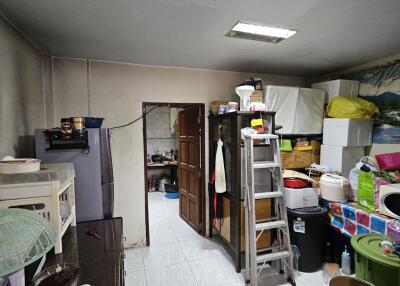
(333, 34)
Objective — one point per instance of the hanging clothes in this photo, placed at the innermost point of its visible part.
(220, 183)
(216, 206)
(228, 167)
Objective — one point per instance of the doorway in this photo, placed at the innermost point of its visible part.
(174, 160)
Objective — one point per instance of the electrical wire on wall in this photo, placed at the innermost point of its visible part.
(134, 121)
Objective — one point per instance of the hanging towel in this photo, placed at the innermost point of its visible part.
(220, 183)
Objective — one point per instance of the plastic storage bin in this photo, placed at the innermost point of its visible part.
(372, 264)
(341, 159)
(347, 132)
(339, 87)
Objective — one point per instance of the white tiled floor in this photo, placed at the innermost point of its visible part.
(178, 256)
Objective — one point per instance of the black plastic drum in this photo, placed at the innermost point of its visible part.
(308, 232)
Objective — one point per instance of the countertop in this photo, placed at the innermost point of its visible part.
(100, 261)
(48, 172)
(165, 164)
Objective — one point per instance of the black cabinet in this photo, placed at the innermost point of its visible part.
(229, 230)
(101, 262)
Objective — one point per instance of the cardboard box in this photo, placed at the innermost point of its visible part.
(301, 159)
(257, 96)
(263, 211)
(226, 219)
(347, 132)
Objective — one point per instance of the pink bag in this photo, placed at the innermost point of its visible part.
(388, 161)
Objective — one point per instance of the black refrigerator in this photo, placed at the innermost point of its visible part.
(94, 182)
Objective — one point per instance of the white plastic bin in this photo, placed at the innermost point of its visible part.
(347, 132)
(341, 159)
(339, 87)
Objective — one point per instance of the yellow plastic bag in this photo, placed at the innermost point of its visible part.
(351, 107)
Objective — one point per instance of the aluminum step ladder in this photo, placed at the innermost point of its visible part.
(255, 261)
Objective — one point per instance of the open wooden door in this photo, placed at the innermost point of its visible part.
(189, 164)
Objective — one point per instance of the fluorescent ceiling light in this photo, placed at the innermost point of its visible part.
(260, 32)
(263, 30)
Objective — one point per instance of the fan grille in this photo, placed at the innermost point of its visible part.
(24, 238)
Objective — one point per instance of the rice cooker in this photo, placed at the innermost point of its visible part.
(332, 187)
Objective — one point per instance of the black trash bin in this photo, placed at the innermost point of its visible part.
(308, 228)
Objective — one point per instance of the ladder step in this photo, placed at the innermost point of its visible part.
(261, 136)
(272, 256)
(268, 195)
(265, 165)
(270, 225)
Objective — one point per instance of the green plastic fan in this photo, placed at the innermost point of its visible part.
(24, 238)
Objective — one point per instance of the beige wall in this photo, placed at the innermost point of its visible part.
(21, 97)
(116, 91)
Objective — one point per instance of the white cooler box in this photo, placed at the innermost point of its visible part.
(341, 159)
(347, 132)
(298, 110)
(301, 198)
(339, 87)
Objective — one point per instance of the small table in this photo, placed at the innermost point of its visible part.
(350, 219)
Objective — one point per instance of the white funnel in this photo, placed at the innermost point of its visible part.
(244, 92)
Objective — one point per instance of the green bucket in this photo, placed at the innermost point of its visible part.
(372, 264)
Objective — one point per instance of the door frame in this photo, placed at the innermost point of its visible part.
(201, 106)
